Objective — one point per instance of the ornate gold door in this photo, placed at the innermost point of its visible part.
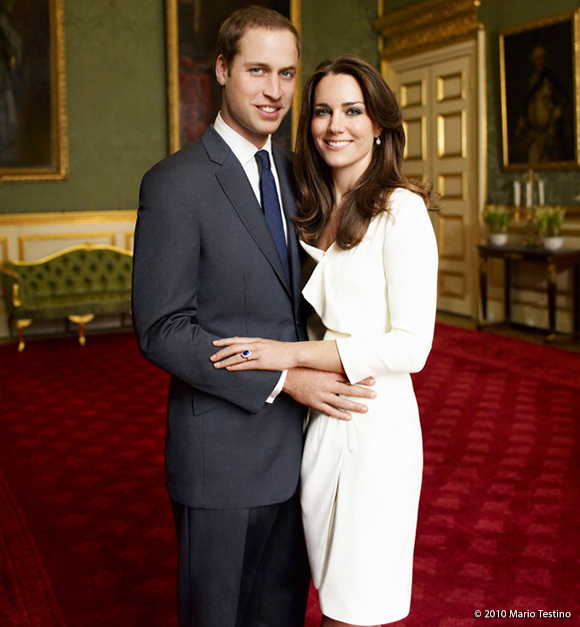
(437, 92)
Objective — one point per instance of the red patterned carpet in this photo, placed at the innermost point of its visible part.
(86, 536)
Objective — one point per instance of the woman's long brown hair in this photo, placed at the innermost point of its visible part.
(315, 196)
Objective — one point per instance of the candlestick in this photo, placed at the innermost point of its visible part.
(541, 190)
(517, 193)
(529, 192)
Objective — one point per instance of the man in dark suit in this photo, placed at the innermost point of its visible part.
(206, 266)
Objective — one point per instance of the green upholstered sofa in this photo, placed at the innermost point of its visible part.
(75, 283)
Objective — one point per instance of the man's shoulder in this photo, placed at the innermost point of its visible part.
(199, 155)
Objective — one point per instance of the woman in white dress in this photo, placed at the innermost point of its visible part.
(374, 289)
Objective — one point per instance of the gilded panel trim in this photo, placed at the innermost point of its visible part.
(442, 150)
(296, 17)
(442, 231)
(443, 189)
(129, 238)
(55, 237)
(427, 25)
(67, 217)
(59, 253)
(441, 83)
(459, 276)
(422, 122)
(404, 91)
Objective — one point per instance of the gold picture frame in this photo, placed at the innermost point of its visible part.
(192, 91)
(33, 122)
(539, 94)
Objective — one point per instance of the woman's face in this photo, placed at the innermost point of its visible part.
(342, 130)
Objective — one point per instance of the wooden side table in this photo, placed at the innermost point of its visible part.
(554, 261)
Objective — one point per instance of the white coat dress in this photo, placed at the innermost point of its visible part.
(361, 479)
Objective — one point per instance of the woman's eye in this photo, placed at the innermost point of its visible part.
(321, 112)
(354, 112)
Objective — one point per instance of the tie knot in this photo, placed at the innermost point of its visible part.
(263, 159)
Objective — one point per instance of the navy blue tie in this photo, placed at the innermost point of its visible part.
(271, 207)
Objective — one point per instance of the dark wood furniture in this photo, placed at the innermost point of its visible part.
(554, 261)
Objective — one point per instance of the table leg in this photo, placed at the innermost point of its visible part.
(483, 285)
(552, 280)
(507, 290)
(576, 293)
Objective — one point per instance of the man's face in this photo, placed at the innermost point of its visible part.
(258, 85)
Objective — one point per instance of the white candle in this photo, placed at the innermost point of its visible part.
(528, 194)
(517, 193)
(541, 190)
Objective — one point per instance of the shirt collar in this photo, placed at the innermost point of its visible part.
(243, 149)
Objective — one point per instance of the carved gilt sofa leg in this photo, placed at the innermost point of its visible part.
(20, 326)
(82, 322)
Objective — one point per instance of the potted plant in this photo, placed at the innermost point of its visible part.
(548, 222)
(497, 219)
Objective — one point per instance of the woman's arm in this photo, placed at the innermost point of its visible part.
(254, 353)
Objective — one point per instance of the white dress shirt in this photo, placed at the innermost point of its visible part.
(245, 152)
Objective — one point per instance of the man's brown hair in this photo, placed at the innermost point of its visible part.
(240, 21)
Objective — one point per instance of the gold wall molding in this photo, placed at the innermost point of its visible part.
(67, 217)
(427, 25)
(57, 238)
(452, 284)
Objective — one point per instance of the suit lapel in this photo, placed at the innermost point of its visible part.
(286, 178)
(238, 190)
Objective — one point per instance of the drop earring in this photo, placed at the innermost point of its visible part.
(378, 141)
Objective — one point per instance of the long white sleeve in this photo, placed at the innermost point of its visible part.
(410, 267)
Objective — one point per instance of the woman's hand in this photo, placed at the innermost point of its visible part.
(255, 353)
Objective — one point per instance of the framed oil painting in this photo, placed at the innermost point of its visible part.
(539, 93)
(193, 93)
(33, 142)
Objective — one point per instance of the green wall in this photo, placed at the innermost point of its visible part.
(116, 94)
(331, 27)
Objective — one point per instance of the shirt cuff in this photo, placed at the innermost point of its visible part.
(278, 387)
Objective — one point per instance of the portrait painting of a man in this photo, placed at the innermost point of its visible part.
(538, 96)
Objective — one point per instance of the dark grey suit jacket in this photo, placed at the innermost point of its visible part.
(205, 267)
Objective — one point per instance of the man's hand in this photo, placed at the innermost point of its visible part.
(324, 391)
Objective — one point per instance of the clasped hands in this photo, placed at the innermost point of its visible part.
(310, 378)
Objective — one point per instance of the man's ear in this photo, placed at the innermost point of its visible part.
(221, 70)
